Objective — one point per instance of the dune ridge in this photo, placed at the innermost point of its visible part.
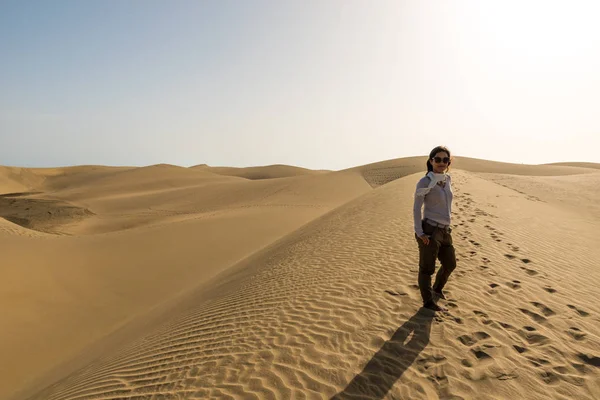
(260, 172)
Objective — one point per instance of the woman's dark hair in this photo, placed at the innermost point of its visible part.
(434, 152)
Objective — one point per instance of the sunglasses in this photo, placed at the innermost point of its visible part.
(438, 160)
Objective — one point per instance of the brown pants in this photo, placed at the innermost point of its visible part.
(439, 247)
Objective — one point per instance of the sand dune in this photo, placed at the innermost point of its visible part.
(14, 179)
(128, 198)
(383, 172)
(97, 281)
(185, 283)
(261, 172)
(578, 164)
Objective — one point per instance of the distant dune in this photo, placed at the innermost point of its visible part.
(263, 172)
(383, 172)
(164, 282)
(578, 164)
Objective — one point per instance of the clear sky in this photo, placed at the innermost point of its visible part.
(318, 84)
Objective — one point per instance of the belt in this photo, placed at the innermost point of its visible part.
(437, 224)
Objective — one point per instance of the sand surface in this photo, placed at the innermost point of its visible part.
(278, 282)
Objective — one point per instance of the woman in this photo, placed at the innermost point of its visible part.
(432, 227)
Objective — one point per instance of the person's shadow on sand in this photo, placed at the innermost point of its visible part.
(391, 361)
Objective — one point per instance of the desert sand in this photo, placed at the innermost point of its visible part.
(278, 282)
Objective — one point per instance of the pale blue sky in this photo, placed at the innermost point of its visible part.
(318, 84)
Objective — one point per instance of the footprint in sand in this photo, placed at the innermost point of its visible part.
(429, 360)
(485, 319)
(576, 333)
(494, 285)
(506, 326)
(579, 311)
(534, 316)
(426, 365)
(510, 256)
(519, 349)
(530, 272)
(549, 377)
(533, 337)
(458, 320)
(470, 340)
(486, 268)
(550, 289)
(480, 354)
(514, 284)
(591, 360)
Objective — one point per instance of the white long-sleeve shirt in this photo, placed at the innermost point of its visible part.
(438, 204)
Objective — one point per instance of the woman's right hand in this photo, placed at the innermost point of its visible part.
(425, 239)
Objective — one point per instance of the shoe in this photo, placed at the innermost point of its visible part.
(439, 295)
(432, 306)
